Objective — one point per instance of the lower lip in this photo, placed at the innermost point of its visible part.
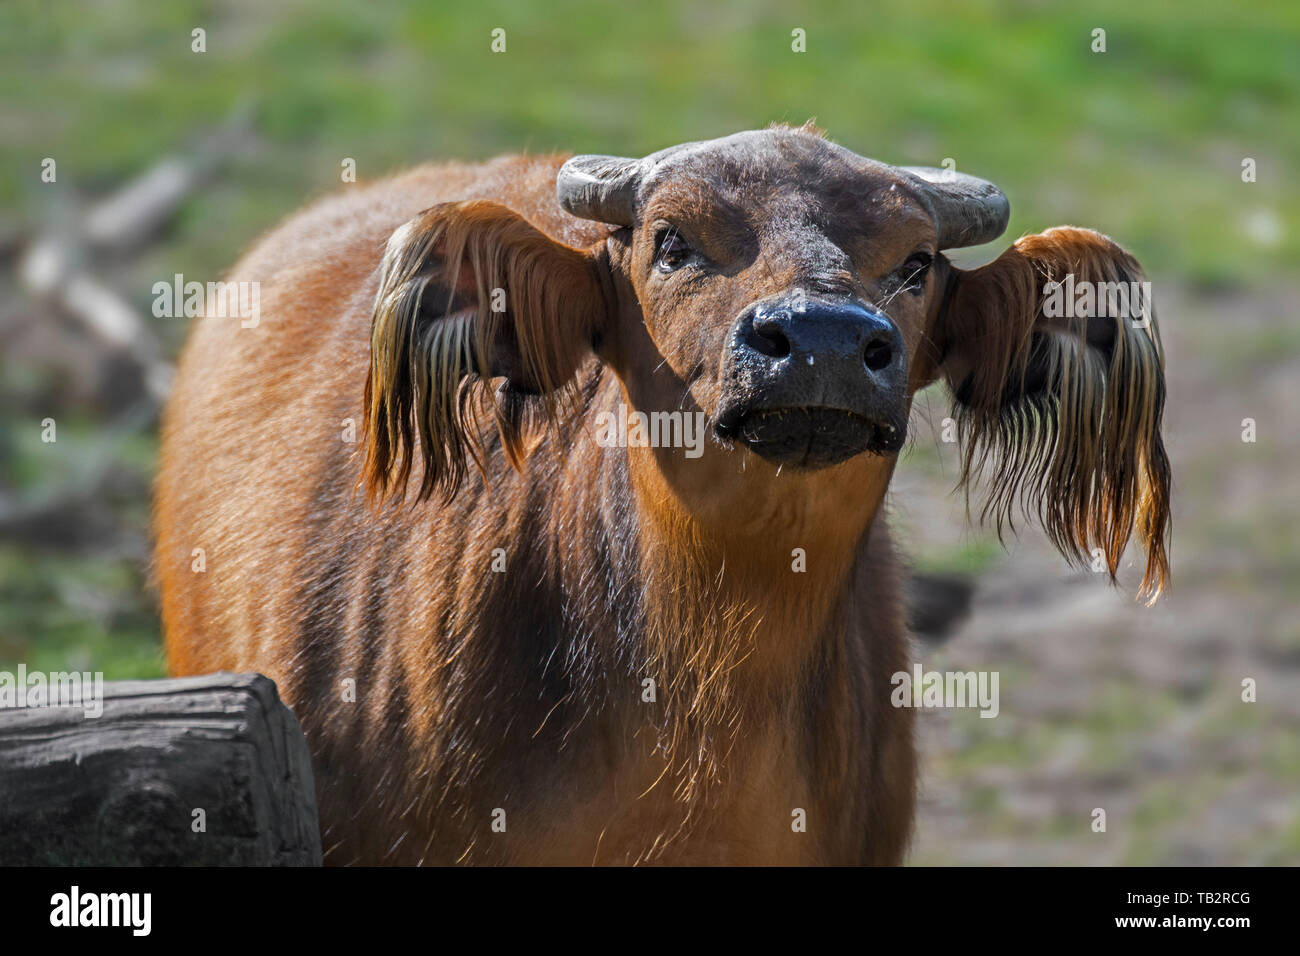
(883, 438)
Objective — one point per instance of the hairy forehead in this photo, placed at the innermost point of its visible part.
(780, 173)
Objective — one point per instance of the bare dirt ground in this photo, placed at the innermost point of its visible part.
(1104, 702)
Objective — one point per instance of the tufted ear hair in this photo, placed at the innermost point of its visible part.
(1054, 359)
(471, 291)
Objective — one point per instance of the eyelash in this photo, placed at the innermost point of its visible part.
(667, 234)
(912, 277)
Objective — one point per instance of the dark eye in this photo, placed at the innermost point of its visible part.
(911, 274)
(672, 251)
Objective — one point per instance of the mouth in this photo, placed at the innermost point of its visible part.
(810, 438)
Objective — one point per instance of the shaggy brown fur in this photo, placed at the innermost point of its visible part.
(1083, 456)
(418, 368)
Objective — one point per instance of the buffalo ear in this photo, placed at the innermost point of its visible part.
(1057, 411)
(471, 291)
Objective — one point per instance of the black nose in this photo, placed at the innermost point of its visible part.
(845, 338)
(814, 382)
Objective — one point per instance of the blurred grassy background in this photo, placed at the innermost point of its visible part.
(1144, 141)
(1142, 137)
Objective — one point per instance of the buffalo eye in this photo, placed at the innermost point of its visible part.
(911, 274)
(672, 250)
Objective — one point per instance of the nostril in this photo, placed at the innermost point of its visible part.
(768, 337)
(878, 354)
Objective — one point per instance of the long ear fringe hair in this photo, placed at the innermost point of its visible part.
(1083, 455)
(426, 397)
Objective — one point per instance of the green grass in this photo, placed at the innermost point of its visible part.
(81, 613)
(977, 553)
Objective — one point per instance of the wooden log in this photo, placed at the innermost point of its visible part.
(208, 771)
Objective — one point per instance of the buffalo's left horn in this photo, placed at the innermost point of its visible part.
(967, 210)
(602, 188)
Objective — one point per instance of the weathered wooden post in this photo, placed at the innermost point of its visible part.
(207, 770)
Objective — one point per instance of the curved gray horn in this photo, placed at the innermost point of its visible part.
(602, 188)
(967, 210)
